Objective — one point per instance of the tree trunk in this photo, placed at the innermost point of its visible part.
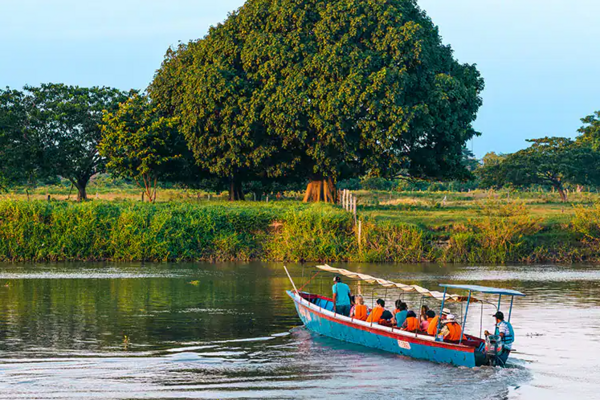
(562, 193)
(81, 185)
(321, 189)
(235, 190)
(81, 193)
(150, 187)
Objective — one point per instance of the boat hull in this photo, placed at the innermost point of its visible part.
(326, 323)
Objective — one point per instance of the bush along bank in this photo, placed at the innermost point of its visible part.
(286, 231)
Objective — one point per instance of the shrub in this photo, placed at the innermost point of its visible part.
(586, 222)
(321, 233)
(376, 184)
(391, 243)
(502, 229)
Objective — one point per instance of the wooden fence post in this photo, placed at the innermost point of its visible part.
(359, 237)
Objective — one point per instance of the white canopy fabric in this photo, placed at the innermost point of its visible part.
(389, 284)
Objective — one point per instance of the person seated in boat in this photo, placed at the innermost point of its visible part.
(380, 315)
(341, 297)
(433, 323)
(423, 317)
(359, 311)
(429, 315)
(400, 313)
(411, 324)
(505, 330)
(451, 330)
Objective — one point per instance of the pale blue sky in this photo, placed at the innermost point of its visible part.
(540, 58)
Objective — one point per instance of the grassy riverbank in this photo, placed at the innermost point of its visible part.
(479, 231)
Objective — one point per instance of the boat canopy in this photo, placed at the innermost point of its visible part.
(485, 289)
(389, 284)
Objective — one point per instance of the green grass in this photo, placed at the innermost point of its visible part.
(477, 227)
(429, 211)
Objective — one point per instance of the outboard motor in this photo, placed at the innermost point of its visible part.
(493, 348)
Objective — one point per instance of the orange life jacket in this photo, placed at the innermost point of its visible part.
(454, 332)
(375, 315)
(360, 312)
(412, 324)
(433, 325)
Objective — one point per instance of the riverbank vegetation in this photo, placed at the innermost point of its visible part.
(476, 228)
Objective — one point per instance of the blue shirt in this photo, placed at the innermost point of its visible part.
(343, 294)
(401, 317)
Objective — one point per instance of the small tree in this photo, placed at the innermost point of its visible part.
(142, 145)
(552, 161)
(491, 159)
(590, 131)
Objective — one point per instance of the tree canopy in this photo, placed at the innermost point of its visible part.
(21, 149)
(330, 89)
(552, 161)
(53, 130)
(141, 144)
(590, 131)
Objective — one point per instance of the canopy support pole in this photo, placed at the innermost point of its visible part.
(307, 282)
(421, 312)
(511, 305)
(499, 301)
(481, 321)
(439, 321)
(465, 319)
(288, 274)
(372, 303)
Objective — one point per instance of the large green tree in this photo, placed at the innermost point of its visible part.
(54, 129)
(328, 88)
(551, 161)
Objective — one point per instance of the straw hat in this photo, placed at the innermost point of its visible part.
(450, 318)
(446, 311)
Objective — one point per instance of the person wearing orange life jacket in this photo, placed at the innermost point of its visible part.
(379, 314)
(451, 331)
(411, 324)
(359, 311)
(433, 324)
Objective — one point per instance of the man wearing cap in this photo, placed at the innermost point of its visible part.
(341, 297)
(505, 330)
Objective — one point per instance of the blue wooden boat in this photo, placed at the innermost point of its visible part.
(317, 315)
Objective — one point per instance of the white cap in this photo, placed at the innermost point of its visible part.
(450, 318)
(446, 311)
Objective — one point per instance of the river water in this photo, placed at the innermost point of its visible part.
(186, 331)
